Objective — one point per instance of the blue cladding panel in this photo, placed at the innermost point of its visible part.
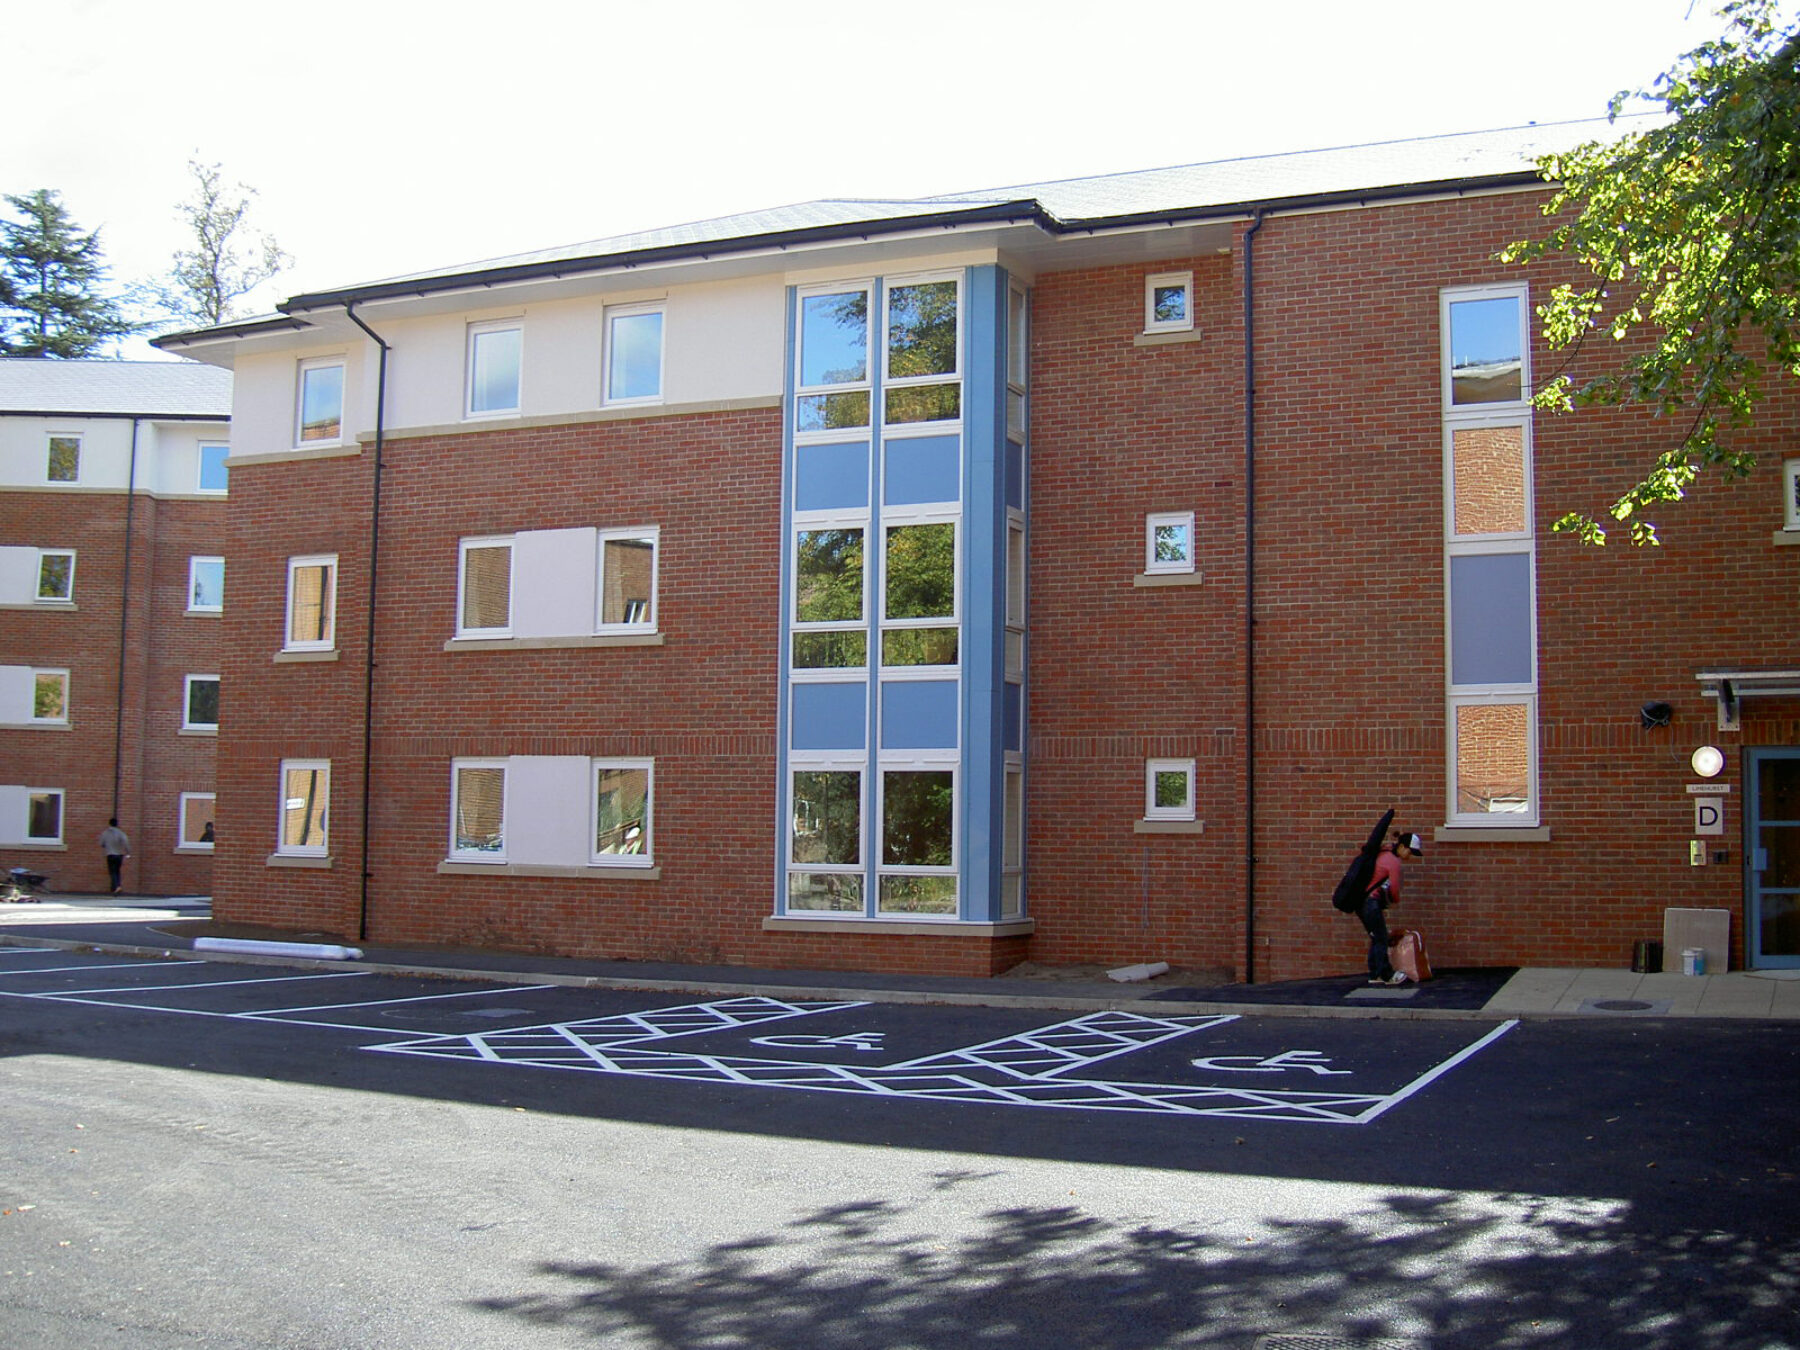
(918, 715)
(1490, 619)
(1012, 733)
(922, 469)
(1015, 475)
(831, 477)
(830, 716)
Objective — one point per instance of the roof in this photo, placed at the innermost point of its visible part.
(182, 389)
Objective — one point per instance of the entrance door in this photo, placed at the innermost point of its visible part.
(1773, 786)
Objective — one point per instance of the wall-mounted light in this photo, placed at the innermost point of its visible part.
(1655, 715)
(1708, 761)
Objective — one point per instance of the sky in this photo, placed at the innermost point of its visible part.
(391, 136)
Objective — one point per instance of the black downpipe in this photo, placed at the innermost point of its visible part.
(1250, 598)
(124, 624)
(368, 764)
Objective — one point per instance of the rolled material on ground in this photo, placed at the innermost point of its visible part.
(315, 951)
(1126, 974)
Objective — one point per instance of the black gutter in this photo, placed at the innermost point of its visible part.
(368, 764)
(249, 328)
(1250, 598)
(124, 624)
(122, 416)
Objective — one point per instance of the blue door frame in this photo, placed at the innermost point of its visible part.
(1772, 857)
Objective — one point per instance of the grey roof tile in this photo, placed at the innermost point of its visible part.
(129, 388)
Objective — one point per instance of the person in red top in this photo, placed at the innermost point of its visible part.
(1383, 891)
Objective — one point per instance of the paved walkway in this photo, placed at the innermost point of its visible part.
(153, 927)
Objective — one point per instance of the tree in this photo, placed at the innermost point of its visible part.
(1691, 231)
(51, 280)
(228, 259)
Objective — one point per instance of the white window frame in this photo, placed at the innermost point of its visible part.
(302, 373)
(1164, 280)
(611, 317)
(871, 354)
(894, 518)
(186, 845)
(42, 672)
(194, 563)
(466, 547)
(187, 704)
(1790, 480)
(1463, 294)
(329, 641)
(456, 853)
(1152, 523)
(472, 345)
(200, 467)
(875, 832)
(827, 762)
(1185, 810)
(890, 382)
(596, 767)
(648, 624)
(50, 438)
(282, 847)
(807, 522)
(38, 596)
(62, 815)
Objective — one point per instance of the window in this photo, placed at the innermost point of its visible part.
(829, 615)
(918, 846)
(196, 824)
(62, 462)
(200, 705)
(478, 810)
(634, 354)
(43, 815)
(484, 588)
(495, 353)
(1015, 597)
(919, 590)
(319, 415)
(56, 576)
(311, 603)
(213, 473)
(922, 352)
(627, 585)
(833, 360)
(206, 585)
(50, 696)
(1169, 302)
(1490, 561)
(825, 845)
(622, 812)
(1169, 789)
(1790, 478)
(1169, 542)
(1018, 361)
(305, 807)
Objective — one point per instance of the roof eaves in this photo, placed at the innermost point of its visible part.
(1025, 210)
(228, 331)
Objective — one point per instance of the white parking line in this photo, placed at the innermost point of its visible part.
(54, 994)
(1432, 1075)
(384, 1002)
(57, 970)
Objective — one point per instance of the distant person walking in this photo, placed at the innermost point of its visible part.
(1383, 891)
(116, 844)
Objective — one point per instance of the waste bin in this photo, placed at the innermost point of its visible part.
(1646, 957)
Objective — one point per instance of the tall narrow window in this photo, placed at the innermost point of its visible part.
(206, 585)
(627, 585)
(1790, 482)
(495, 353)
(825, 842)
(919, 586)
(923, 342)
(484, 588)
(312, 603)
(56, 576)
(829, 616)
(63, 460)
(196, 821)
(478, 810)
(50, 696)
(43, 815)
(634, 354)
(213, 475)
(622, 812)
(201, 704)
(918, 851)
(832, 388)
(319, 418)
(305, 807)
(1490, 559)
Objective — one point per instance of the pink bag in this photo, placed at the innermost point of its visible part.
(1406, 950)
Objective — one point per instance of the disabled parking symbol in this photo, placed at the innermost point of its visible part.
(854, 1040)
(1313, 1060)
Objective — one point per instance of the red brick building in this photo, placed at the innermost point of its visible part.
(1068, 573)
(112, 508)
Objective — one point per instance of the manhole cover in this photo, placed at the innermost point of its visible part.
(1629, 1007)
(1384, 992)
(1621, 1005)
(1298, 1341)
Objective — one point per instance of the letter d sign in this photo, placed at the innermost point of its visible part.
(1709, 815)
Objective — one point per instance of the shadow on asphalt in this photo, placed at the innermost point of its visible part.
(1466, 989)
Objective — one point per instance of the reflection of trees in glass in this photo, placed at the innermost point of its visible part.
(832, 412)
(1171, 543)
(1171, 788)
(1170, 304)
(65, 459)
(49, 699)
(828, 817)
(834, 338)
(56, 574)
(620, 802)
(836, 649)
(922, 329)
(918, 647)
(828, 576)
(922, 403)
(918, 895)
(921, 571)
(916, 816)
